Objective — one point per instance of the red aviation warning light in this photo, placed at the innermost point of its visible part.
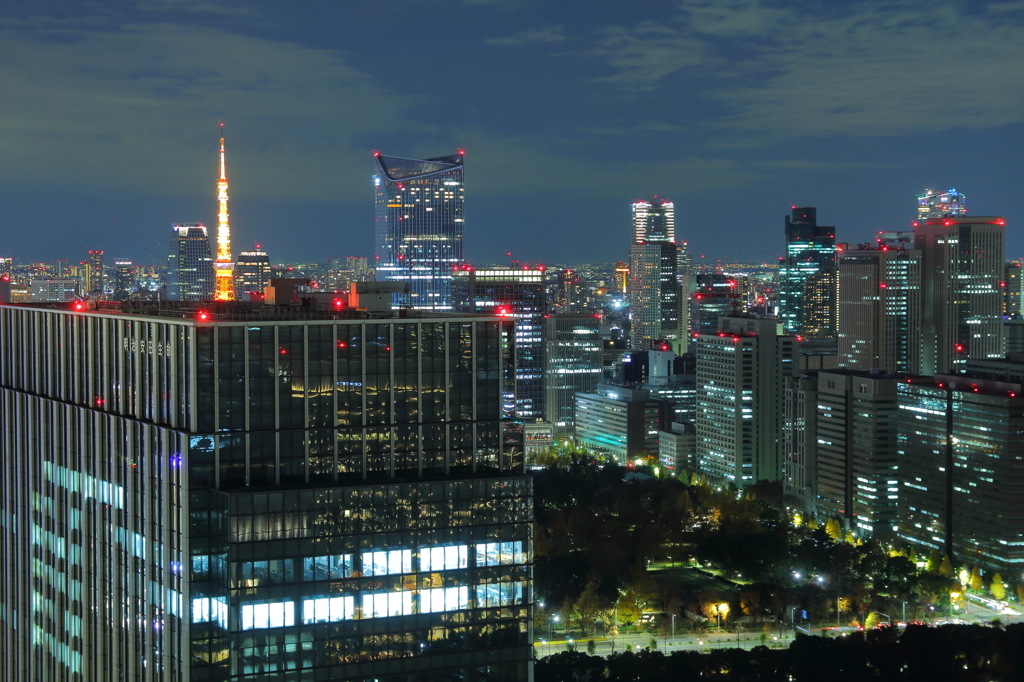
(78, 306)
(342, 345)
(203, 316)
(959, 348)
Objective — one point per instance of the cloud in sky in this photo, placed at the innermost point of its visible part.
(130, 107)
(552, 34)
(864, 68)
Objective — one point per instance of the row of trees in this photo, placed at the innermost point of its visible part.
(599, 532)
(920, 654)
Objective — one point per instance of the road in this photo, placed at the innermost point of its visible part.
(603, 646)
(977, 614)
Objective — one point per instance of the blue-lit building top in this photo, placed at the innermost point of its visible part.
(244, 492)
(933, 204)
(419, 218)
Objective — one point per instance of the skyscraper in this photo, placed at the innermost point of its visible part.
(419, 226)
(741, 374)
(94, 273)
(653, 277)
(856, 467)
(880, 308)
(962, 301)
(807, 277)
(189, 264)
(960, 464)
(252, 273)
(288, 494)
(224, 288)
(124, 279)
(573, 364)
(1013, 288)
(517, 294)
(932, 204)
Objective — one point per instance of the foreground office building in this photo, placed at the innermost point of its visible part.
(258, 493)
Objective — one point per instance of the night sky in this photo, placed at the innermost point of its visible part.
(567, 111)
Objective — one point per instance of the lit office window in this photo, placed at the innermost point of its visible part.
(385, 604)
(268, 615)
(328, 609)
(444, 599)
(499, 553)
(389, 562)
(444, 558)
(327, 567)
(499, 594)
(210, 610)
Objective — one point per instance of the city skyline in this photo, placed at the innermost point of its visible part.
(104, 150)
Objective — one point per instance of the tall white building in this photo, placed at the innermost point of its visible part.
(880, 308)
(741, 373)
(653, 286)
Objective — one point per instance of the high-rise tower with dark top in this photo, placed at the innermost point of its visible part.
(808, 303)
(419, 225)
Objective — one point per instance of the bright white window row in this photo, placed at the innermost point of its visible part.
(444, 599)
(375, 605)
(210, 610)
(385, 604)
(444, 558)
(274, 615)
(388, 562)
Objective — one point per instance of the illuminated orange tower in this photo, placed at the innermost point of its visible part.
(224, 268)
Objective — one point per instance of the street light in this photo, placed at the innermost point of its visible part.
(701, 642)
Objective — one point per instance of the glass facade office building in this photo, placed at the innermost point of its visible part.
(418, 226)
(961, 444)
(517, 294)
(232, 495)
(808, 277)
(189, 263)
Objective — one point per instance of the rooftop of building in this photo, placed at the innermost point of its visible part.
(241, 311)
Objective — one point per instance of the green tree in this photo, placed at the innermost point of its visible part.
(694, 480)
(1020, 592)
(591, 647)
(934, 561)
(997, 588)
(946, 568)
(871, 621)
